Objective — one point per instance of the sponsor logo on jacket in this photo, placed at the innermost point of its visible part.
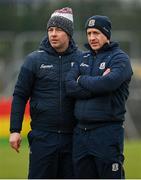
(46, 66)
(84, 65)
(86, 55)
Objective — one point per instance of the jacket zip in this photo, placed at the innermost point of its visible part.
(91, 72)
(60, 84)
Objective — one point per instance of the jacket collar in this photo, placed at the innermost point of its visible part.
(106, 47)
(45, 45)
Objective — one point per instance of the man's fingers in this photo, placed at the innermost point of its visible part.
(106, 72)
(15, 146)
(15, 141)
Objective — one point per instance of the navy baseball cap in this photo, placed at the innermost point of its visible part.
(101, 23)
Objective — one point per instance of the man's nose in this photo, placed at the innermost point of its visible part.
(54, 32)
(92, 36)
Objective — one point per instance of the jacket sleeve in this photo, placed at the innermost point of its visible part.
(73, 89)
(120, 71)
(21, 95)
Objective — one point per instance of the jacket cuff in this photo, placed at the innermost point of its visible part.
(15, 131)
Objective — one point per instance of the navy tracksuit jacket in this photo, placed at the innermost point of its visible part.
(42, 81)
(106, 95)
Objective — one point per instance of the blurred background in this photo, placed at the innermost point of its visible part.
(23, 25)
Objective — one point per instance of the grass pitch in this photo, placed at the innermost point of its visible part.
(15, 165)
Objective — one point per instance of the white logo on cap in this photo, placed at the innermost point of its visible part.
(91, 23)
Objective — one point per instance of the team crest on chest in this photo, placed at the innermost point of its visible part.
(102, 65)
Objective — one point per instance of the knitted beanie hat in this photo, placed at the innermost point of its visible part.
(101, 23)
(62, 18)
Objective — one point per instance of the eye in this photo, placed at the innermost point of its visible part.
(88, 33)
(98, 33)
(50, 29)
(59, 29)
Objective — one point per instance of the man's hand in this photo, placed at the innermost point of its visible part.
(106, 72)
(15, 141)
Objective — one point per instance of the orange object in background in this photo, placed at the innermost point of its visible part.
(5, 108)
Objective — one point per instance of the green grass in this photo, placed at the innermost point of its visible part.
(132, 161)
(15, 165)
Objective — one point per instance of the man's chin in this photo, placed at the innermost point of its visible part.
(54, 45)
(95, 48)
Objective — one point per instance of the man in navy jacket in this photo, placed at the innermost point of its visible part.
(42, 81)
(105, 73)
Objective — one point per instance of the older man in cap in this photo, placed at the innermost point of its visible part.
(105, 72)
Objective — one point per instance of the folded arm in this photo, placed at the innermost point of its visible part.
(73, 88)
(120, 71)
